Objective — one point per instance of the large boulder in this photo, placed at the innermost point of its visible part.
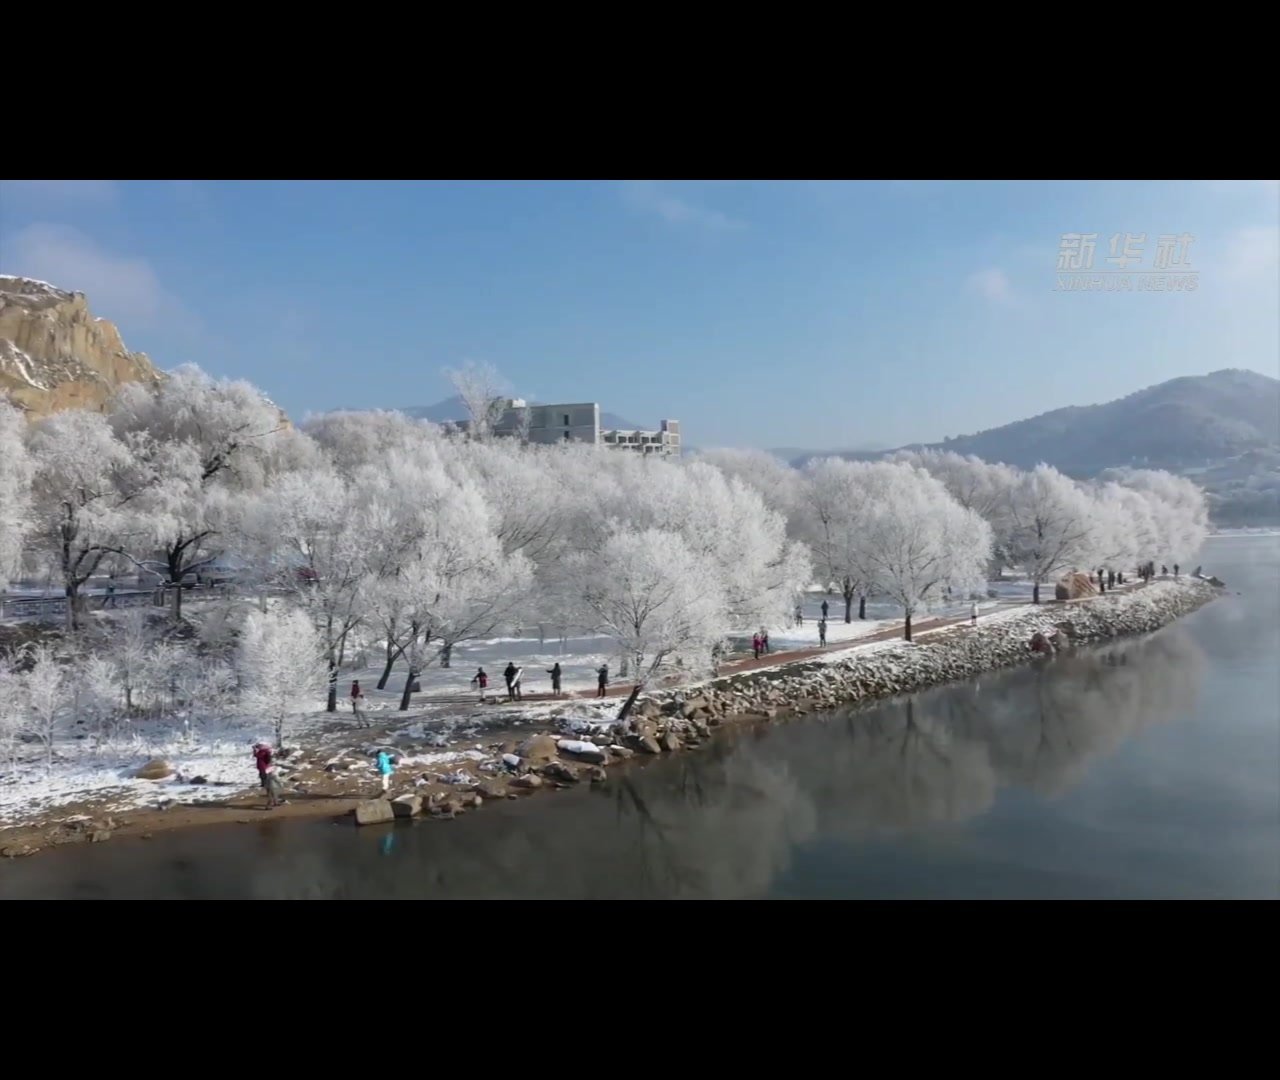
(538, 748)
(646, 744)
(404, 806)
(155, 769)
(374, 812)
(558, 770)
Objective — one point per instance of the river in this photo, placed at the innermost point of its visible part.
(1148, 769)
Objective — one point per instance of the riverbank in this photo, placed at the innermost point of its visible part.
(508, 752)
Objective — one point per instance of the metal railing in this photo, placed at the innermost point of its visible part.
(48, 607)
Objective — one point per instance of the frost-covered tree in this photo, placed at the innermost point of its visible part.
(312, 534)
(916, 541)
(128, 646)
(776, 482)
(12, 710)
(85, 488)
(977, 485)
(832, 518)
(524, 489)
(442, 576)
(1052, 525)
(352, 439)
(207, 441)
(654, 597)
(482, 390)
(97, 698)
(44, 685)
(281, 663)
(1178, 508)
(16, 470)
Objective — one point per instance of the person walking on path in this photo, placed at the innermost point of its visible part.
(824, 609)
(755, 646)
(822, 632)
(555, 679)
(385, 765)
(1175, 569)
(357, 703)
(799, 615)
(267, 774)
(515, 683)
(602, 679)
(764, 641)
(509, 673)
(480, 679)
(973, 614)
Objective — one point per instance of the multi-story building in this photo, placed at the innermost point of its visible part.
(665, 441)
(580, 422)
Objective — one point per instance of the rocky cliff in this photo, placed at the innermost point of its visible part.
(55, 355)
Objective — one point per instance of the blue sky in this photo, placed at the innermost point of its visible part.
(807, 314)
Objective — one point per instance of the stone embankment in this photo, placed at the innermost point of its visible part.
(669, 721)
(960, 652)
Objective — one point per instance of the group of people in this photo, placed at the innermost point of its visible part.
(513, 676)
(759, 643)
(384, 763)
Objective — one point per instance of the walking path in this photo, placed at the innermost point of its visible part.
(497, 694)
(751, 663)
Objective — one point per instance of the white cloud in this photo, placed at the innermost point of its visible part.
(993, 284)
(122, 288)
(648, 197)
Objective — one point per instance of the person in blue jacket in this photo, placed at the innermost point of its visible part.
(386, 765)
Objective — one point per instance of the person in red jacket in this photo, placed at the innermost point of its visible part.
(266, 773)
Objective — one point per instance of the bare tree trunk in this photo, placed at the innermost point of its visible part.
(906, 628)
(1035, 593)
(862, 607)
(332, 704)
(625, 711)
(408, 688)
(847, 593)
(386, 670)
(177, 601)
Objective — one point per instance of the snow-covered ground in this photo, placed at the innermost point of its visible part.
(219, 751)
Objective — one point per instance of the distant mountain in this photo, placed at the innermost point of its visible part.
(791, 453)
(1220, 429)
(443, 412)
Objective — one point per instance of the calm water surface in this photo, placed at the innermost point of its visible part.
(1150, 769)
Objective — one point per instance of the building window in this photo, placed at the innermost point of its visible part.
(566, 419)
(566, 434)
